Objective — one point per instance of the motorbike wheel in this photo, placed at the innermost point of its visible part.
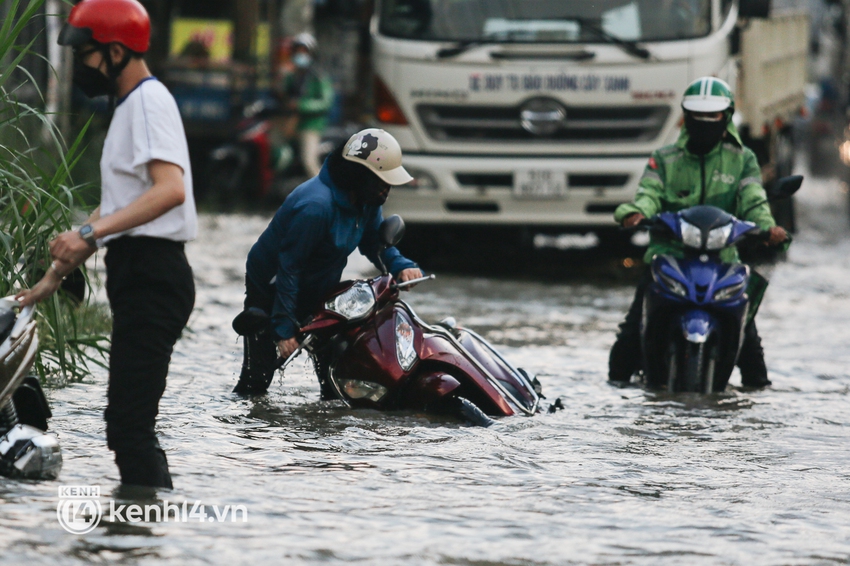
(465, 410)
(472, 414)
(694, 367)
(710, 369)
(672, 367)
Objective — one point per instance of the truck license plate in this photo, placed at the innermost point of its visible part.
(540, 183)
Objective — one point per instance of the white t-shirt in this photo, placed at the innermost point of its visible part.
(146, 126)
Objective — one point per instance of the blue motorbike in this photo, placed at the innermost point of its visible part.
(696, 308)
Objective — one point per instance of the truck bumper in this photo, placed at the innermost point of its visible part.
(465, 190)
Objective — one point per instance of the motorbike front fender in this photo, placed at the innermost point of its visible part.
(433, 386)
(438, 349)
(697, 326)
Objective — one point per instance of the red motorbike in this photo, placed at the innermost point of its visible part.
(371, 350)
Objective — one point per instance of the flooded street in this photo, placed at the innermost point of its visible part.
(621, 476)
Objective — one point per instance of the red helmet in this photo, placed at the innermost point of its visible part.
(108, 21)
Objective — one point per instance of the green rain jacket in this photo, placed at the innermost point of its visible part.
(315, 98)
(728, 177)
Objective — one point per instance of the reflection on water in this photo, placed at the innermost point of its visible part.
(621, 476)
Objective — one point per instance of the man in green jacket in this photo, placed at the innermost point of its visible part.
(707, 165)
(309, 97)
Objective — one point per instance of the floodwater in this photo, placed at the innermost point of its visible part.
(621, 476)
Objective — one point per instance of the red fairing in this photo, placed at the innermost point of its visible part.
(436, 348)
(372, 357)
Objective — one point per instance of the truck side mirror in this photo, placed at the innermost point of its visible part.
(391, 231)
(754, 9)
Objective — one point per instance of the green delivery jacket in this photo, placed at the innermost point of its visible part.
(728, 177)
(315, 97)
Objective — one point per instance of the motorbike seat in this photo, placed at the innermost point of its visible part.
(7, 322)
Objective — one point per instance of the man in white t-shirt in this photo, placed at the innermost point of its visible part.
(146, 214)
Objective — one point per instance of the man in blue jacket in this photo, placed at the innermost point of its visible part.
(300, 256)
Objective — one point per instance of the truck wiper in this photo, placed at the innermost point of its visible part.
(630, 47)
(460, 47)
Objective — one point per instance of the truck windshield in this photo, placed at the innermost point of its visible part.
(544, 21)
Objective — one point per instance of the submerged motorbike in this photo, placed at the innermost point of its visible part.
(696, 308)
(371, 350)
(26, 451)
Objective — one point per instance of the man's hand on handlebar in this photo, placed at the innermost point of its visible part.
(777, 235)
(286, 347)
(632, 220)
(409, 274)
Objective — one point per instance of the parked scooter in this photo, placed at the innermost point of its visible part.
(250, 167)
(371, 350)
(696, 308)
(26, 451)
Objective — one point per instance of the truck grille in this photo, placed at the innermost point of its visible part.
(582, 124)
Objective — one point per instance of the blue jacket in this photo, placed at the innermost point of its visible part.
(300, 256)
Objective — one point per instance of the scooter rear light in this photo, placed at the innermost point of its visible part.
(387, 108)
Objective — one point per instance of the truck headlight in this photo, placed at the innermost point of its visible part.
(729, 292)
(691, 235)
(718, 237)
(421, 180)
(404, 350)
(354, 303)
(356, 389)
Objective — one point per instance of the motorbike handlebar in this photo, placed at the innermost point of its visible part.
(412, 282)
(280, 363)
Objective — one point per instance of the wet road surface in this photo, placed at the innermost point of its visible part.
(621, 476)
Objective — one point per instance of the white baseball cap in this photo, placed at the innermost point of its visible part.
(380, 152)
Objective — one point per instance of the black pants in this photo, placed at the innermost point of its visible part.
(260, 350)
(625, 357)
(151, 292)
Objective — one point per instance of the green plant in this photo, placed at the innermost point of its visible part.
(38, 200)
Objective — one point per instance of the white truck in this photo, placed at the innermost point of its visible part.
(537, 116)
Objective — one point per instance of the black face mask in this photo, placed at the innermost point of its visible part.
(91, 81)
(703, 136)
(374, 192)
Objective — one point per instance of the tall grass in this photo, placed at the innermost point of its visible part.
(38, 200)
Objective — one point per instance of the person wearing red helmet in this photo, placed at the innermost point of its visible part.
(146, 214)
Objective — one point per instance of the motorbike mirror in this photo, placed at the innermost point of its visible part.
(391, 231)
(785, 187)
(250, 321)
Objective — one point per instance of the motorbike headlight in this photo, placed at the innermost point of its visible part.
(356, 389)
(691, 235)
(729, 292)
(354, 303)
(674, 286)
(718, 237)
(404, 350)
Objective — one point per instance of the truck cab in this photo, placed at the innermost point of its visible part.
(539, 115)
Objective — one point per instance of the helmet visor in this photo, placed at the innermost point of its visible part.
(74, 36)
(713, 104)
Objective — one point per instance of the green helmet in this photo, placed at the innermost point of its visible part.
(708, 94)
